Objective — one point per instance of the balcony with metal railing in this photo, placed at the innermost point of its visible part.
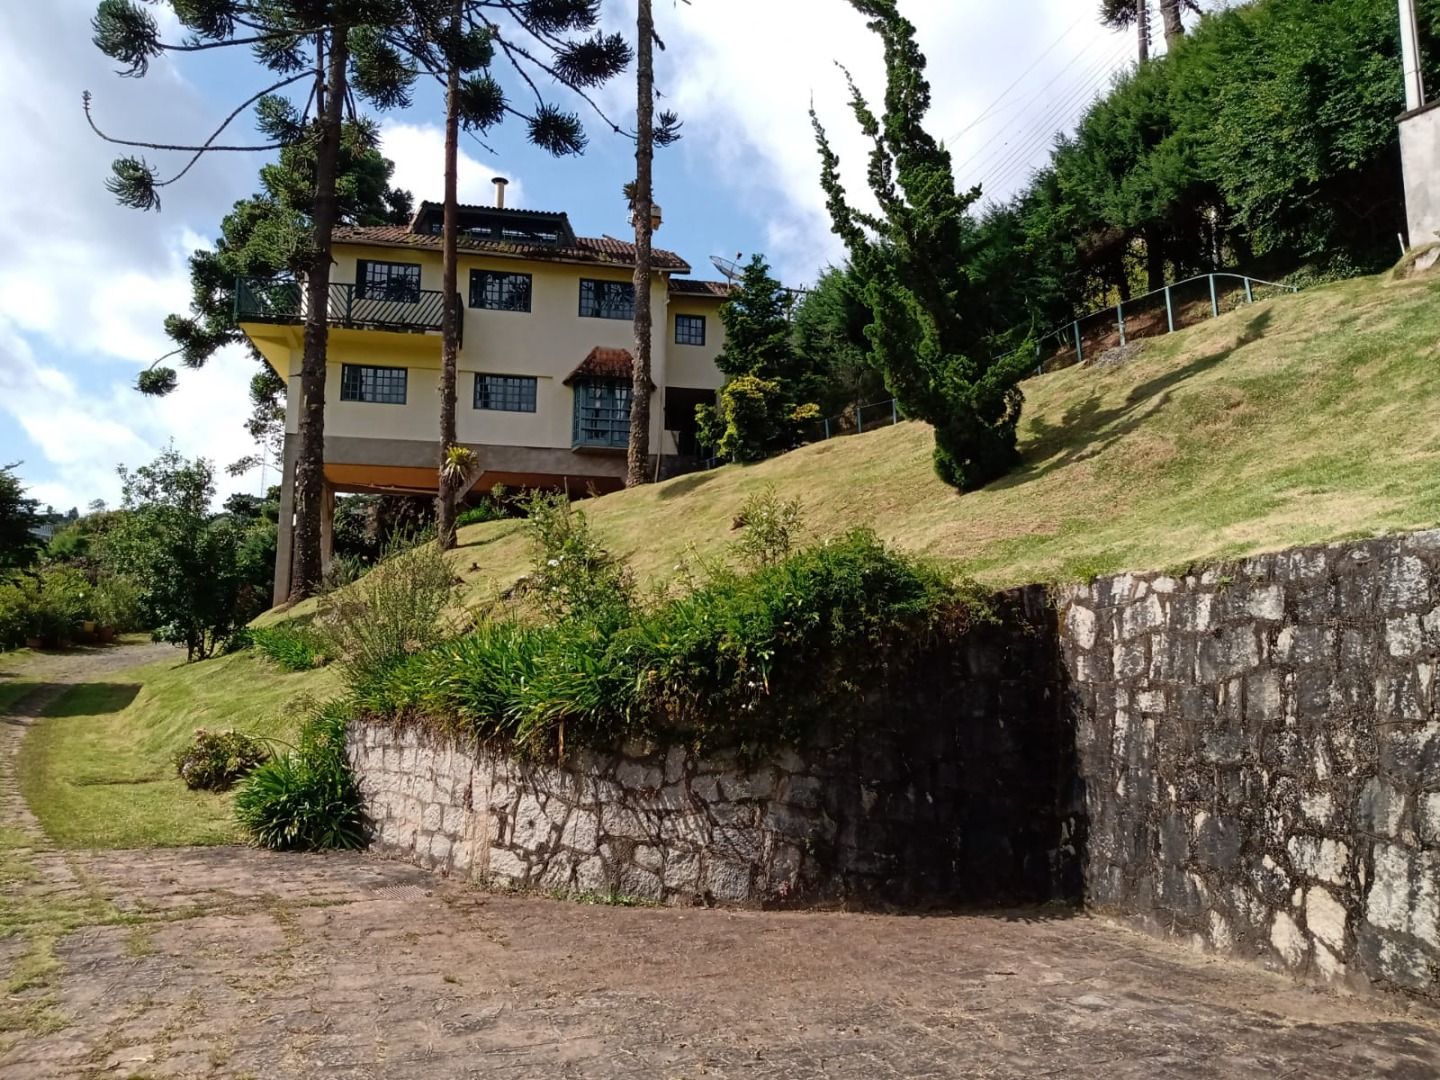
(392, 309)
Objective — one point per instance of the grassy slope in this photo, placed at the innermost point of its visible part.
(1299, 420)
(97, 770)
(1303, 419)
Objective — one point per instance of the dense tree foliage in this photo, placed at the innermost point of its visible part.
(196, 570)
(828, 336)
(1265, 140)
(768, 390)
(19, 545)
(912, 262)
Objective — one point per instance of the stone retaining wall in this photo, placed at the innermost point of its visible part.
(1261, 750)
(1244, 757)
(952, 794)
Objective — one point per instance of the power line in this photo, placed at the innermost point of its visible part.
(998, 152)
(988, 149)
(1020, 78)
(1021, 156)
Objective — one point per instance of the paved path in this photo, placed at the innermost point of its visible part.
(227, 962)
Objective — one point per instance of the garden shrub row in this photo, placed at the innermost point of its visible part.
(746, 659)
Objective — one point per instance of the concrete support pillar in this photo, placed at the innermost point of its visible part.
(285, 529)
(327, 529)
(1420, 160)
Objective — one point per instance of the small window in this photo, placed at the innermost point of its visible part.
(505, 393)
(689, 329)
(396, 282)
(499, 291)
(607, 299)
(377, 385)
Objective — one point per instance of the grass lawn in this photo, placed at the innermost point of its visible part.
(96, 769)
(1297, 420)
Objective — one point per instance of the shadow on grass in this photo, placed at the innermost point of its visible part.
(1088, 429)
(685, 484)
(77, 699)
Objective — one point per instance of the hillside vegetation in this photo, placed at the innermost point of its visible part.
(1302, 419)
(1298, 420)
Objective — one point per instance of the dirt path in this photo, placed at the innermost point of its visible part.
(227, 962)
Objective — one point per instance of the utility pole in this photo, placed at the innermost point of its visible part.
(1410, 54)
(1142, 27)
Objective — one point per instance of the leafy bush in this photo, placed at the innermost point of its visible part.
(217, 759)
(396, 609)
(770, 524)
(117, 603)
(13, 616)
(305, 799)
(293, 646)
(573, 576)
(49, 606)
(747, 659)
(493, 507)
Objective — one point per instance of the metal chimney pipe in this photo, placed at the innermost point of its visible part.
(500, 183)
(1410, 56)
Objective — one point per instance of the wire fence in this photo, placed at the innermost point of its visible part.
(1087, 339)
(1174, 307)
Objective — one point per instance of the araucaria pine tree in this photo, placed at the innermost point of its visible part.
(911, 262)
(455, 43)
(343, 48)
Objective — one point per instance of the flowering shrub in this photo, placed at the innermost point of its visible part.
(216, 759)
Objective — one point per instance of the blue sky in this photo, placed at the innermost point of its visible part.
(85, 284)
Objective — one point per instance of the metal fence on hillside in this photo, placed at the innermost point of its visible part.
(1175, 307)
(1087, 339)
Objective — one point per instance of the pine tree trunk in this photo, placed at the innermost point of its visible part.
(638, 459)
(1142, 28)
(1174, 28)
(448, 483)
(310, 460)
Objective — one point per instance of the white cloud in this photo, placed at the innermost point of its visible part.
(418, 151)
(85, 284)
(742, 75)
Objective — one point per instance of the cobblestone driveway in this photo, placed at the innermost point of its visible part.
(233, 963)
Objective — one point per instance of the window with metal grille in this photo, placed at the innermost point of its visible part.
(377, 385)
(505, 393)
(602, 413)
(398, 282)
(499, 291)
(607, 299)
(689, 329)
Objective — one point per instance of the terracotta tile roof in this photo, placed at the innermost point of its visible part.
(604, 363)
(687, 287)
(601, 250)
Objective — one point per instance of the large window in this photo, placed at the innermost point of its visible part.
(602, 413)
(607, 299)
(689, 329)
(499, 291)
(399, 282)
(377, 385)
(505, 393)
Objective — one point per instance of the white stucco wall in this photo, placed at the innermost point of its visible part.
(1420, 155)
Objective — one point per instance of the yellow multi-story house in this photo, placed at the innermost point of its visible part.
(545, 370)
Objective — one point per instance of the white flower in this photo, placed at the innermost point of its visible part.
(554, 562)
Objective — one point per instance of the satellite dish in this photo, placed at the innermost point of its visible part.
(731, 268)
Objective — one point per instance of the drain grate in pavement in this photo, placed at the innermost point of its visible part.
(401, 892)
